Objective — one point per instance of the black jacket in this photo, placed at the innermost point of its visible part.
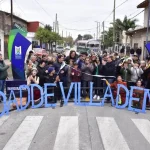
(41, 74)
(3, 70)
(109, 69)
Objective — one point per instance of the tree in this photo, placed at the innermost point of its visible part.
(108, 37)
(87, 37)
(44, 35)
(40, 35)
(125, 25)
(69, 41)
(48, 27)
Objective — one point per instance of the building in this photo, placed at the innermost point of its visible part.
(32, 27)
(5, 27)
(138, 35)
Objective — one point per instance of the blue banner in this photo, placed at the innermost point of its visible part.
(19, 49)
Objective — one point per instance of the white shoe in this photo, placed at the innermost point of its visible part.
(98, 98)
(95, 96)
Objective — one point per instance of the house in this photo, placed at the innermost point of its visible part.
(32, 27)
(5, 27)
(138, 35)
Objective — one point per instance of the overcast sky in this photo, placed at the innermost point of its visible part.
(74, 14)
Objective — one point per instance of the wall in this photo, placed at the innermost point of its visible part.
(145, 16)
(33, 26)
(140, 38)
(2, 42)
(124, 39)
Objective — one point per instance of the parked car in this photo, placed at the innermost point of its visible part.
(59, 49)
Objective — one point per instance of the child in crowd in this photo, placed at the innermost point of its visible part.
(75, 73)
(33, 78)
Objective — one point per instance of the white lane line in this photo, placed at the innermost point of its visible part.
(111, 136)
(23, 136)
(144, 127)
(3, 119)
(68, 134)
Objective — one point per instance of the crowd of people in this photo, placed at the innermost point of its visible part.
(86, 68)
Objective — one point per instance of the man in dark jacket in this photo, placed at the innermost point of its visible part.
(41, 72)
(3, 73)
(109, 68)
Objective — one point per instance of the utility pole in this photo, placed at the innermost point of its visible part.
(99, 30)
(148, 24)
(66, 34)
(53, 26)
(11, 1)
(62, 34)
(103, 24)
(114, 38)
(56, 24)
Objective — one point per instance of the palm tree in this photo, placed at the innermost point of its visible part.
(125, 25)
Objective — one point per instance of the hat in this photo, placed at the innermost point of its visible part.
(50, 69)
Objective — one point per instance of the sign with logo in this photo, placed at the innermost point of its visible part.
(19, 49)
(18, 52)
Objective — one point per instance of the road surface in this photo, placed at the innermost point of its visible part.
(75, 128)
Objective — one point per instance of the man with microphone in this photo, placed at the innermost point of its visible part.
(3, 73)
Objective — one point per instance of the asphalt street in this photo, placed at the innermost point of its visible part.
(75, 128)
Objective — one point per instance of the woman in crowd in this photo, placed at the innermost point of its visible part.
(72, 56)
(97, 80)
(138, 94)
(122, 93)
(125, 71)
(33, 78)
(136, 72)
(87, 72)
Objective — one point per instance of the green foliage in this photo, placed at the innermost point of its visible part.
(87, 37)
(46, 36)
(69, 41)
(48, 27)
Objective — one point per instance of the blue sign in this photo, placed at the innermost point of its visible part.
(19, 49)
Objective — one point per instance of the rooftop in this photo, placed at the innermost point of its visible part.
(144, 4)
(7, 13)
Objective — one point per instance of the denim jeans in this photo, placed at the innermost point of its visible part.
(2, 85)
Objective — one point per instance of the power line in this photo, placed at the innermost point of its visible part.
(43, 9)
(137, 14)
(77, 29)
(19, 7)
(115, 9)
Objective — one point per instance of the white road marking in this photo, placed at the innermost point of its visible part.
(144, 126)
(111, 135)
(3, 119)
(23, 136)
(67, 134)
